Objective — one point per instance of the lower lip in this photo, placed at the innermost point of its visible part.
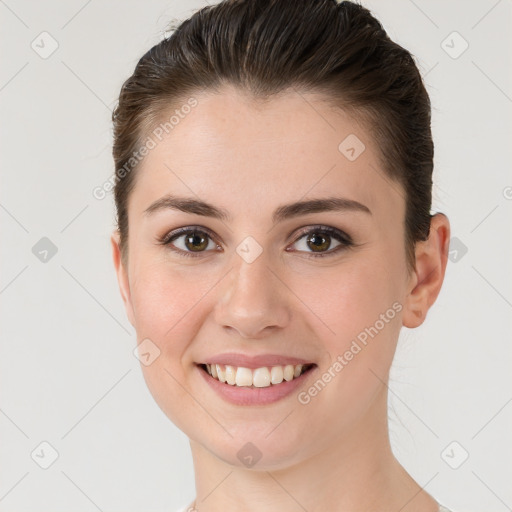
(243, 395)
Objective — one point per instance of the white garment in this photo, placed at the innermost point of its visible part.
(190, 509)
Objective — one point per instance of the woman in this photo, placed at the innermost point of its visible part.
(273, 191)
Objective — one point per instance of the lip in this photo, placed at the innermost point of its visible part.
(253, 362)
(242, 395)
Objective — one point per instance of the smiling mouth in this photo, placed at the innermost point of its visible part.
(263, 377)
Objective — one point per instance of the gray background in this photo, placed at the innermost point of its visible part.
(68, 376)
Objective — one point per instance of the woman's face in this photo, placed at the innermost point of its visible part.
(255, 282)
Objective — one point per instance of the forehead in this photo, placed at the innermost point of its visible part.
(235, 151)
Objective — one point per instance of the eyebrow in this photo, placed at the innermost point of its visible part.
(283, 212)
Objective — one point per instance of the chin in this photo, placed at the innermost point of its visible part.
(253, 448)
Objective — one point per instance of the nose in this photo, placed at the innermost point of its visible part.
(254, 300)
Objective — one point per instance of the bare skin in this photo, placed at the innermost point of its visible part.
(332, 453)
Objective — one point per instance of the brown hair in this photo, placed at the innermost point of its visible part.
(267, 46)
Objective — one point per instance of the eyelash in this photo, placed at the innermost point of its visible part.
(340, 236)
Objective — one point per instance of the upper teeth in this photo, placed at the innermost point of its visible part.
(260, 377)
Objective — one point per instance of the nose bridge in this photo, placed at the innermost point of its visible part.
(253, 300)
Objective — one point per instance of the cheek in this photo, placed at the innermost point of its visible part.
(356, 317)
(168, 310)
(157, 303)
(345, 298)
(356, 311)
(167, 302)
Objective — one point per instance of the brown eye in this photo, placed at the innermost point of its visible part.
(196, 241)
(318, 242)
(188, 241)
(319, 239)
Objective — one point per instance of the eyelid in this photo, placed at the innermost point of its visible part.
(175, 233)
(344, 241)
(321, 228)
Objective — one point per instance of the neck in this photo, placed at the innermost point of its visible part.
(357, 473)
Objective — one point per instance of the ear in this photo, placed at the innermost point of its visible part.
(425, 283)
(122, 276)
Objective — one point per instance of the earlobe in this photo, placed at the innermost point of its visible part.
(426, 282)
(122, 276)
